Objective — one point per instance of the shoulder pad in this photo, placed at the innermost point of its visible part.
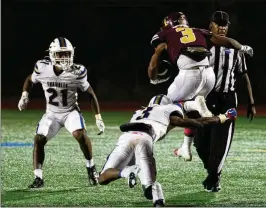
(79, 70)
(40, 64)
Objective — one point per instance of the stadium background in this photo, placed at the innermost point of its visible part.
(112, 40)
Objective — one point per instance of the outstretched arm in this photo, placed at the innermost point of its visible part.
(231, 43)
(152, 69)
(225, 41)
(187, 122)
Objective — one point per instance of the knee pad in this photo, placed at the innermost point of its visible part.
(189, 132)
(78, 134)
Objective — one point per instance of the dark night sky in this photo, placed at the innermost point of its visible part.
(112, 38)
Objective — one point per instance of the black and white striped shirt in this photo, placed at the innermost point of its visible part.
(227, 65)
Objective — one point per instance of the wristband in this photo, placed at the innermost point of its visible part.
(98, 117)
(222, 118)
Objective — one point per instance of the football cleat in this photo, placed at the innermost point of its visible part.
(159, 203)
(132, 173)
(93, 175)
(132, 180)
(212, 184)
(184, 152)
(202, 107)
(37, 183)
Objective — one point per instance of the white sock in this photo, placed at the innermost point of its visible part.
(90, 163)
(188, 141)
(190, 106)
(38, 173)
(124, 172)
(157, 191)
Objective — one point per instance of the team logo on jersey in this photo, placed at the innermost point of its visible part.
(57, 84)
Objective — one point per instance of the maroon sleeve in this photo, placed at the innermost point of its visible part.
(157, 39)
(206, 33)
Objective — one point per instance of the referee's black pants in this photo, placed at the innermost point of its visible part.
(213, 141)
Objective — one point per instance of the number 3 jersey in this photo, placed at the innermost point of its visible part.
(178, 40)
(60, 90)
(158, 117)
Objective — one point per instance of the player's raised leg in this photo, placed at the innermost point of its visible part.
(47, 128)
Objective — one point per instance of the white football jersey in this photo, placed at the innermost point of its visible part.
(158, 117)
(60, 91)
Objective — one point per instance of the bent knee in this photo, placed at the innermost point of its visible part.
(78, 134)
(40, 139)
(102, 180)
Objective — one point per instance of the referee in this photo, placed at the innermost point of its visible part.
(213, 142)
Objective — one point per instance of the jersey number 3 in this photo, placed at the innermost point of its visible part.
(145, 113)
(54, 95)
(187, 33)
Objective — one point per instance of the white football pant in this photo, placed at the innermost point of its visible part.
(51, 123)
(132, 146)
(191, 82)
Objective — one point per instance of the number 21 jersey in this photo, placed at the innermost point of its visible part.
(60, 90)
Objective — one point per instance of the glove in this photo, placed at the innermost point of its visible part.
(251, 111)
(246, 49)
(99, 123)
(230, 114)
(22, 104)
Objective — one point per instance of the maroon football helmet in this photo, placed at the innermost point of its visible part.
(174, 18)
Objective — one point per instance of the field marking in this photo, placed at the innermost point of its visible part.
(257, 150)
(16, 144)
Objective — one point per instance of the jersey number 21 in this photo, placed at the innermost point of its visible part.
(54, 95)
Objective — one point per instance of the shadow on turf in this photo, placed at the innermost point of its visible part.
(190, 199)
(196, 199)
(21, 194)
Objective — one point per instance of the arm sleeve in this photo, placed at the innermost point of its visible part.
(83, 83)
(157, 39)
(176, 109)
(206, 33)
(36, 73)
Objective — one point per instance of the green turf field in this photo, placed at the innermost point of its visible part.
(243, 180)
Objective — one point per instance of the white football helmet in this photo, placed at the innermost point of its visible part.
(61, 53)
